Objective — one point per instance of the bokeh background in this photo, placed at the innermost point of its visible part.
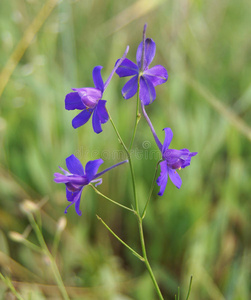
(204, 228)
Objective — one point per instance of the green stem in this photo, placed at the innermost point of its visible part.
(47, 252)
(137, 118)
(121, 241)
(146, 259)
(8, 282)
(130, 163)
(190, 286)
(32, 246)
(151, 190)
(109, 199)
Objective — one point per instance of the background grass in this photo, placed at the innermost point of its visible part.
(203, 229)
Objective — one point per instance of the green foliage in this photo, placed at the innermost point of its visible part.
(202, 229)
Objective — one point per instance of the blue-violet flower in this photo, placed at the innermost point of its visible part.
(77, 178)
(148, 78)
(173, 160)
(89, 100)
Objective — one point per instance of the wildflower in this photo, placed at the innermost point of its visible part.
(77, 178)
(173, 160)
(147, 78)
(89, 100)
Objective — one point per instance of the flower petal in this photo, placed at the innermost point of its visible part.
(167, 140)
(89, 96)
(96, 122)
(102, 112)
(97, 182)
(81, 118)
(64, 171)
(187, 161)
(60, 178)
(91, 168)
(162, 179)
(130, 88)
(150, 49)
(77, 203)
(147, 92)
(127, 68)
(73, 101)
(70, 196)
(157, 75)
(175, 177)
(74, 198)
(177, 159)
(97, 78)
(74, 165)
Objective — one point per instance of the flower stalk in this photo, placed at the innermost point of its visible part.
(137, 213)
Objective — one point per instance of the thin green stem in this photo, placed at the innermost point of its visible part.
(130, 162)
(190, 286)
(137, 118)
(47, 252)
(151, 190)
(32, 246)
(146, 259)
(109, 199)
(8, 282)
(119, 239)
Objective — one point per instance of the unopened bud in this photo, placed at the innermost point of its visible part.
(61, 224)
(28, 206)
(16, 236)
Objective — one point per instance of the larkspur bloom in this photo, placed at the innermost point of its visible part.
(89, 100)
(173, 160)
(148, 78)
(78, 177)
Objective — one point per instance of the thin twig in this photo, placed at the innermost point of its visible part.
(119, 239)
(109, 199)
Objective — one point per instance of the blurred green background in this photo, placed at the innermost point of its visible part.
(204, 228)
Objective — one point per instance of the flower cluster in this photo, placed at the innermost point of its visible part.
(89, 100)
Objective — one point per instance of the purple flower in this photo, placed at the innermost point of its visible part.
(89, 100)
(77, 178)
(173, 160)
(148, 78)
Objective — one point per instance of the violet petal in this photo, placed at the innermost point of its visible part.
(127, 68)
(147, 92)
(74, 198)
(150, 49)
(175, 177)
(167, 140)
(130, 88)
(96, 122)
(97, 78)
(91, 168)
(157, 75)
(82, 118)
(89, 96)
(162, 179)
(73, 101)
(74, 165)
(102, 112)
